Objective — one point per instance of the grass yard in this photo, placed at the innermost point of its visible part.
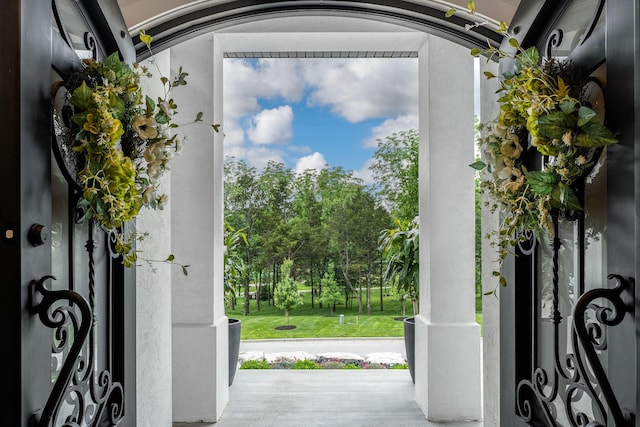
(316, 322)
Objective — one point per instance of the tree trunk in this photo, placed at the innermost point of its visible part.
(258, 289)
(246, 295)
(381, 283)
(369, 294)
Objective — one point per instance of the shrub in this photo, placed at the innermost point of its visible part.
(265, 294)
(255, 364)
(351, 366)
(305, 364)
(399, 366)
(331, 364)
(282, 363)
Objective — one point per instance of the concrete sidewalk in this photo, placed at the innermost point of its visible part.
(359, 346)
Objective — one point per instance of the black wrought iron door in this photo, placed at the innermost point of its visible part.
(569, 346)
(74, 334)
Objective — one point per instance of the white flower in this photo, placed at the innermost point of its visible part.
(145, 127)
(511, 147)
(514, 181)
(148, 195)
(164, 106)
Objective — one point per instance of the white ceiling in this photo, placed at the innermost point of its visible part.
(136, 12)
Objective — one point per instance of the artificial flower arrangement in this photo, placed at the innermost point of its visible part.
(124, 142)
(543, 107)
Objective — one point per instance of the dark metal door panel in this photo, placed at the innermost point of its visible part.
(568, 330)
(69, 306)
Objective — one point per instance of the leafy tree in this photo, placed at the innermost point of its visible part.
(400, 247)
(286, 296)
(395, 170)
(331, 293)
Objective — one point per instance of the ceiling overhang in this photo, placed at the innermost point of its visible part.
(276, 16)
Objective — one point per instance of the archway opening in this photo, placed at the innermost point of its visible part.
(447, 330)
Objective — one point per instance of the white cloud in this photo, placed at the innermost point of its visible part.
(271, 79)
(389, 127)
(363, 88)
(272, 126)
(256, 156)
(365, 173)
(352, 89)
(315, 161)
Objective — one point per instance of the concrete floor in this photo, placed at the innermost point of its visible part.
(318, 398)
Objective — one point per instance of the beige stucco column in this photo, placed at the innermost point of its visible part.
(448, 357)
(200, 327)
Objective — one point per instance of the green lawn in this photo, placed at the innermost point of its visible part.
(316, 322)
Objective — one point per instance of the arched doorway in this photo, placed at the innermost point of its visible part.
(448, 379)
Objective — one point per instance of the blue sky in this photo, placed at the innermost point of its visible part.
(311, 112)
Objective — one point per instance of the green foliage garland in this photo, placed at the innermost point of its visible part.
(124, 143)
(543, 108)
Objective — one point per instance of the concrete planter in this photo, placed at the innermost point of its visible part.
(234, 347)
(410, 344)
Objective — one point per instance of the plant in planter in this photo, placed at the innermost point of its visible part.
(400, 248)
(234, 273)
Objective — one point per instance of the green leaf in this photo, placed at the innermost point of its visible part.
(82, 97)
(170, 258)
(450, 13)
(475, 51)
(478, 165)
(514, 42)
(567, 198)
(216, 127)
(503, 27)
(555, 125)
(527, 58)
(541, 183)
(568, 106)
(150, 105)
(198, 117)
(595, 134)
(489, 74)
(471, 6)
(585, 114)
(145, 38)
(184, 270)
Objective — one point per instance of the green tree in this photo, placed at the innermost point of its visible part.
(306, 227)
(331, 293)
(400, 247)
(395, 170)
(286, 296)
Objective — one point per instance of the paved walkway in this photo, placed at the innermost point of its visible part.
(327, 397)
(359, 346)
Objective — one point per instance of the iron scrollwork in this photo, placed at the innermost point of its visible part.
(578, 376)
(81, 395)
